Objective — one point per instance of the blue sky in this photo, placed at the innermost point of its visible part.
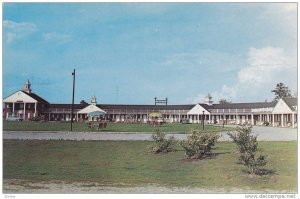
(129, 53)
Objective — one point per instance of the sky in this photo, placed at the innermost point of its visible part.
(129, 53)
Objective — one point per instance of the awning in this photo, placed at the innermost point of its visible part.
(155, 115)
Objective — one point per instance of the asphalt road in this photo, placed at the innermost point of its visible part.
(264, 134)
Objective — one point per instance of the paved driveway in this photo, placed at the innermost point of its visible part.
(264, 134)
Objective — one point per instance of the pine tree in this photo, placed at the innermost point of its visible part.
(281, 91)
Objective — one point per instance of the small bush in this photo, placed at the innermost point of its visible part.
(248, 147)
(161, 143)
(199, 144)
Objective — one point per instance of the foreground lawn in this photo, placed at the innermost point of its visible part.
(112, 127)
(127, 163)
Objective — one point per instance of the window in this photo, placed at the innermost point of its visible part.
(29, 105)
(21, 105)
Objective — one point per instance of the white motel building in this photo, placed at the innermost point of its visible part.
(25, 104)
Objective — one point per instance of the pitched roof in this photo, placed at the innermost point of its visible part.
(91, 108)
(76, 106)
(36, 97)
(146, 107)
(292, 102)
(241, 105)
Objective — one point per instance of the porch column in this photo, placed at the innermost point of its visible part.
(252, 119)
(77, 117)
(293, 120)
(35, 105)
(24, 111)
(209, 118)
(13, 110)
(260, 119)
(273, 122)
(281, 120)
(268, 118)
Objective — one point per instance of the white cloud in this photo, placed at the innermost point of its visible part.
(265, 67)
(56, 37)
(14, 31)
(264, 64)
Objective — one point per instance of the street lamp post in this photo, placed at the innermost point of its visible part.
(73, 74)
(203, 121)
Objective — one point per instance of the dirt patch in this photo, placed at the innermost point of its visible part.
(17, 186)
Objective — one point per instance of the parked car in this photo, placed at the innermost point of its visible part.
(14, 119)
(185, 121)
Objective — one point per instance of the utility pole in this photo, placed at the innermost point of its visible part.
(73, 74)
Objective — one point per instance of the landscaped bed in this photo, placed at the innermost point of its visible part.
(111, 127)
(129, 164)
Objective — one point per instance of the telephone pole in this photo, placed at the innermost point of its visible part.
(73, 74)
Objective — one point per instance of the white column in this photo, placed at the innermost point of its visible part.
(273, 118)
(24, 110)
(13, 110)
(77, 117)
(293, 120)
(260, 119)
(281, 120)
(252, 119)
(35, 106)
(268, 118)
(209, 118)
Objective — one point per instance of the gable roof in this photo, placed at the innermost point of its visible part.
(23, 96)
(198, 110)
(292, 102)
(89, 109)
(36, 97)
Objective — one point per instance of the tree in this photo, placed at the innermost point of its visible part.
(281, 91)
(83, 102)
(224, 101)
(161, 143)
(199, 144)
(248, 147)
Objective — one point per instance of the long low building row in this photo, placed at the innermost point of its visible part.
(25, 104)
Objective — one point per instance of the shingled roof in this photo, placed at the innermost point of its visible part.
(292, 102)
(243, 105)
(146, 107)
(36, 97)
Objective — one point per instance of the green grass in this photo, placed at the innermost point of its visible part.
(128, 163)
(112, 127)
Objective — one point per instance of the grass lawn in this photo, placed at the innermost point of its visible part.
(112, 127)
(127, 163)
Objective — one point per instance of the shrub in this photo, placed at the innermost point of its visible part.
(199, 144)
(248, 147)
(161, 143)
